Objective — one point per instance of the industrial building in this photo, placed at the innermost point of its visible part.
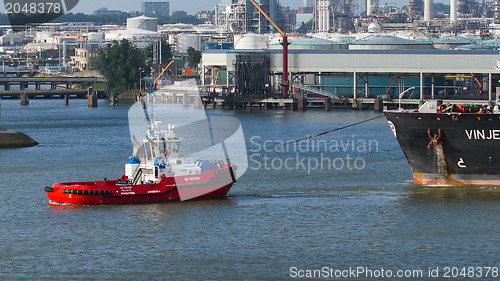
(344, 15)
(355, 73)
(353, 16)
(240, 16)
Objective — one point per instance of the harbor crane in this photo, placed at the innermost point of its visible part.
(285, 43)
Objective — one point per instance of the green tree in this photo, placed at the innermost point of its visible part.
(193, 57)
(183, 17)
(120, 63)
(96, 19)
(166, 52)
(441, 8)
(179, 17)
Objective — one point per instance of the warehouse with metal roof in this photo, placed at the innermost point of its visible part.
(358, 72)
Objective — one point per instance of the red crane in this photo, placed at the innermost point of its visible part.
(284, 82)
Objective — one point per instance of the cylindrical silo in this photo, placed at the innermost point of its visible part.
(143, 22)
(428, 10)
(368, 7)
(453, 10)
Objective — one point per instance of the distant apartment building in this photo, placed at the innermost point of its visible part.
(105, 11)
(155, 9)
(134, 13)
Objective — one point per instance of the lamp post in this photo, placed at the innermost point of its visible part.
(140, 79)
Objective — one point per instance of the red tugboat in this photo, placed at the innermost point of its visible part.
(155, 173)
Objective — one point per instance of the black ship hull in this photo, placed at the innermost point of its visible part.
(466, 152)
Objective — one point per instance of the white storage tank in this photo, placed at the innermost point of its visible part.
(143, 22)
(186, 40)
(251, 41)
(310, 44)
(374, 27)
(388, 43)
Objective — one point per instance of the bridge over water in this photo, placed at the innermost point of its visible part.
(24, 82)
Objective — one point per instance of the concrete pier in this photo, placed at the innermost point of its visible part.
(24, 99)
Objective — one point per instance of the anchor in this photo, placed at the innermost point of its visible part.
(434, 139)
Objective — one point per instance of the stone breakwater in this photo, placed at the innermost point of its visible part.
(11, 139)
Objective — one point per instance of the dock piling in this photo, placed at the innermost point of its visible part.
(302, 104)
(328, 104)
(24, 99)
(377, 104)
(91, 97)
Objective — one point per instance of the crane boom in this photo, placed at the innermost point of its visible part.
(285, 44)
(154, 83)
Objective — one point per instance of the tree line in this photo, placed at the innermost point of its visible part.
(119, 19)
(122, 64)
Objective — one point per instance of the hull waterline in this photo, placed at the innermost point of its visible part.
(466, 152)
(172, 189)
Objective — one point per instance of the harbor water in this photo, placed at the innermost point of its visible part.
(338, 201)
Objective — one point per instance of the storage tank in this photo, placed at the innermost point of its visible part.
(95, 36)
(310, 44)
(250, 41)
(186, 40)
(143, 22)
(428, 10)
(453, 10)
(374, 27)
(452, 42)
(388, 43)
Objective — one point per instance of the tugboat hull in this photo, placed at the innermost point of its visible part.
(210, 184)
